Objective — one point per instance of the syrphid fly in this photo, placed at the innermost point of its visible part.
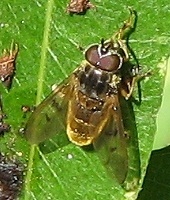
(86, 105)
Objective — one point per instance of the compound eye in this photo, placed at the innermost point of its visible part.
(92, 55)
(110, 63)
(105, 60)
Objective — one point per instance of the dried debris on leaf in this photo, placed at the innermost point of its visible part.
(79, 6)
(27, 109)
(11, 178)
(3, 126)
(7, 65)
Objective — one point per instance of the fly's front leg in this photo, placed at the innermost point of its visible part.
(128, 26)
(119, 40)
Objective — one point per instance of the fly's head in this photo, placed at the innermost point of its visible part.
(108, 56)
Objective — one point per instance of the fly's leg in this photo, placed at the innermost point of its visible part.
(120, 39)
(128, 83)
(128, 26)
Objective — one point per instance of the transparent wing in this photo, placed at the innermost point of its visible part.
(49, 117)
(111, 144)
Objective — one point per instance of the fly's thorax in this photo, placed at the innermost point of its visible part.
(94, 83)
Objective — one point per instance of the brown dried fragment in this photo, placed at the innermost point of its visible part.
(11, 178)
(79, 6)
(7, 65)
(27, 109)
(3, 126)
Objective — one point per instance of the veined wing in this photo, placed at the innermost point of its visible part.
(49, 117)
(111, 144)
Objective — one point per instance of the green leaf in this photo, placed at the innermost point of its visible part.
(72, 172)
(162, 138)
